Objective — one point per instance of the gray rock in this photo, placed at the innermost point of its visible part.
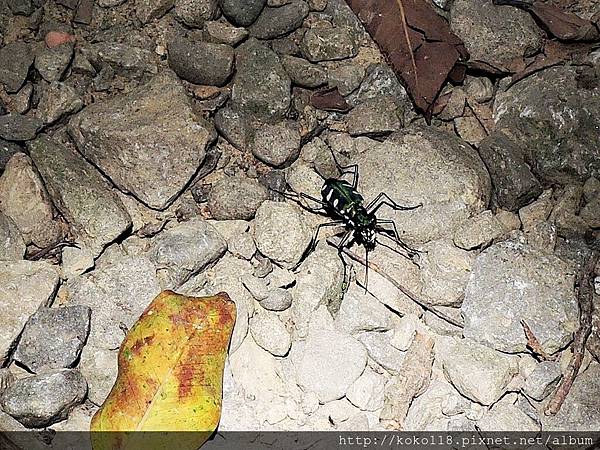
(17, 58)
(12, 246)
(318, 284)
(275, 22)
(76, 261)
(590, 213)
(591, 189)
(52, 63)
(381, 351)
(24, 199)
(270, 333)
(479, 89)
(445, 271)
(367, 392)
(478, 231)
(6, 379)
(44, 399)
(508, 417)
(376, 116)
(261, 86)
(495, 35)
(235, 126)
(194, 13)
(149, 10)
(201, 62)
(242, 12)
(16, 127)
(7, 150)
(236, 198)
(99, 367)
(380, 80)
(185, 250)
(80, 193)
(581, 409)
(555, 123)
(129, 282)
(326, 44)
(359, 311)
(225, 33)
(119, 136)
(20, 7)
(277, 300)
(513, 183)
(238, 235)
(53, 338)
(277, 145)
(432, 410)
(347, 78)
(58, 100)
(304, 73)
(331, 362)
(542, 381)
(537, 211)
(24, 287)
(119, 58)
(477, 372)
(442, 327)
(512, 282)
(281, 232)
(429, 166)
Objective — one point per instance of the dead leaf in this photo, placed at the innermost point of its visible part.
(555, 53)
(170, 376)
(561, 24)
(329, 100)
(417, 42)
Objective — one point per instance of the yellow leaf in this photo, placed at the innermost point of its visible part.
(170, 376)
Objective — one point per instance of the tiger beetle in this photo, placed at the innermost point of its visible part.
(342, 202)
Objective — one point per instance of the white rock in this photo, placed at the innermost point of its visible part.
(506, 416)
(331, 362)
(319, 282)
(25, 200)
(281, 232)
(476, 371)
(445, 271)
(360, 311)
(270, 333)
(24, 287)
(257, 372)
(367, 392)
(404, 332)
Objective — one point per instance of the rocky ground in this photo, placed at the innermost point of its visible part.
(149, 133)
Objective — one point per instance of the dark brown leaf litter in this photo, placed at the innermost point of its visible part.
(560, 24)
(329, 100)
(418, 44)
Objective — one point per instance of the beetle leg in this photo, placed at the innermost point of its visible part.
(384, 199)
(345, 241)
(351, 169)
(294, 196)
(396, 237)
(313, 242)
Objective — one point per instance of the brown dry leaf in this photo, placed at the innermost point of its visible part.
(329, 100)
(417, 43)
(555, 53)
(560, 24)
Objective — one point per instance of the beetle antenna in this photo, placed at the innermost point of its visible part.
(366, 269)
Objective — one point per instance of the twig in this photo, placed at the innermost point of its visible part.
(408, 42)
(426, 306)
(585, 297)
(534, 344)
(50, 250)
